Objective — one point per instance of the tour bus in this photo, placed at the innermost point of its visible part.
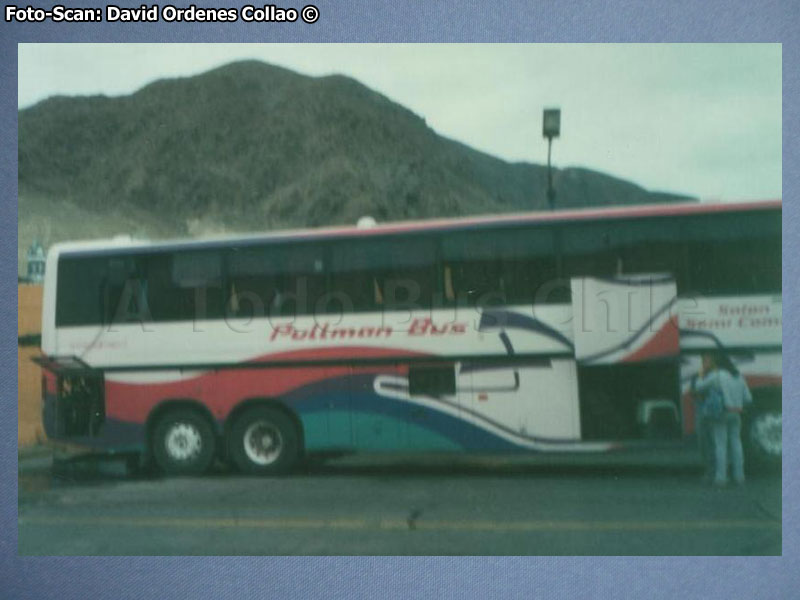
(566, 331)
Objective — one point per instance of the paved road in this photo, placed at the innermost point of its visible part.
(377, 506)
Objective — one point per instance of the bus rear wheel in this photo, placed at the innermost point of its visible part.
(264, 441)
(183, 443)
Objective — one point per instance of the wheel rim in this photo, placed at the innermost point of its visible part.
(766, 431)
(183, 442)
(263, 442)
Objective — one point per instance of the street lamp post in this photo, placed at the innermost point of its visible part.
(551, 128)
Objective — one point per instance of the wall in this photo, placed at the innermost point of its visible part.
(29, 375)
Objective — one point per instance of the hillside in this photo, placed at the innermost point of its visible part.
(250, 146)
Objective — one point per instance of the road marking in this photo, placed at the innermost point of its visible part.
(401, 524)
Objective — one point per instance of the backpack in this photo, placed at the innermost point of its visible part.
(713, 405)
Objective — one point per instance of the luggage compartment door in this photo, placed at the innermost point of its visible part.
(630, 318)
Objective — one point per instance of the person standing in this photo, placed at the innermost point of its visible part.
(703, 423)
(728, 433)
(720, 376)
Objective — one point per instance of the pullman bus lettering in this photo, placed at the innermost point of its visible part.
(326, 332)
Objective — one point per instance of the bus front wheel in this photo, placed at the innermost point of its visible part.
(264, 441)
(183, 443)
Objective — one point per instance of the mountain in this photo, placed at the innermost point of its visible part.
(250, 146)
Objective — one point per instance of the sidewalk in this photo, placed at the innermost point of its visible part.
(69, 463)
(42, 457)
(37, 457)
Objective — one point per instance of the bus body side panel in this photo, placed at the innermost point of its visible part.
(527, 398)
(505, 398)
(347, 402)
(368, 407)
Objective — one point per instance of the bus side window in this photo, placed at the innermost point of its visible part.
(353, 288)
(589, 250)
(251, 281)
(735, 267)
(498, 267)
(478, 282)
(657, 257)
(407, 275)
(80, 293)
(125, 292)
(302, 281)
(383, 274)
(284, 279)
(185, 285)
(533, 280)
(732, 255)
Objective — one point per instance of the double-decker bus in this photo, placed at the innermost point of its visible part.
(566, 331)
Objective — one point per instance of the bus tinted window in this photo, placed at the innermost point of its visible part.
(710, 254)
(657, 258)
(253, 281)
(713, 254)
(384, 274)
(80, 291)
(735, 267)
(125, 291)
(732, 227)
(485, 268)
(626, 247)
(734, 254)
(129, 288)
(183, 286)
(278, 279)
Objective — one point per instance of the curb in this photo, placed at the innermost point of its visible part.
(30, 463)
(34, 451)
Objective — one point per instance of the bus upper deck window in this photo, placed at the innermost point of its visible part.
(196, 269)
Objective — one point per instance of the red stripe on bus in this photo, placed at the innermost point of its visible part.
(758, 381)
(220, 391)
(665, 342)
(626, 212)
(658, 210)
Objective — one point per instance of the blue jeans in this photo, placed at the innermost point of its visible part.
(727, 434)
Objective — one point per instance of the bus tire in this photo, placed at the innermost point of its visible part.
(264, 441)
(763, 438)
(183, 443)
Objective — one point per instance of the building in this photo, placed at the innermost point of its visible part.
(36, 260)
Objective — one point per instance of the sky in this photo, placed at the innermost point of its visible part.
(697, 119)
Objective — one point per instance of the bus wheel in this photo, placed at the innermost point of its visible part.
(263, 440)
(183, 443)
(765, 437)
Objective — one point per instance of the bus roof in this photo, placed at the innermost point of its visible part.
(431, 225)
